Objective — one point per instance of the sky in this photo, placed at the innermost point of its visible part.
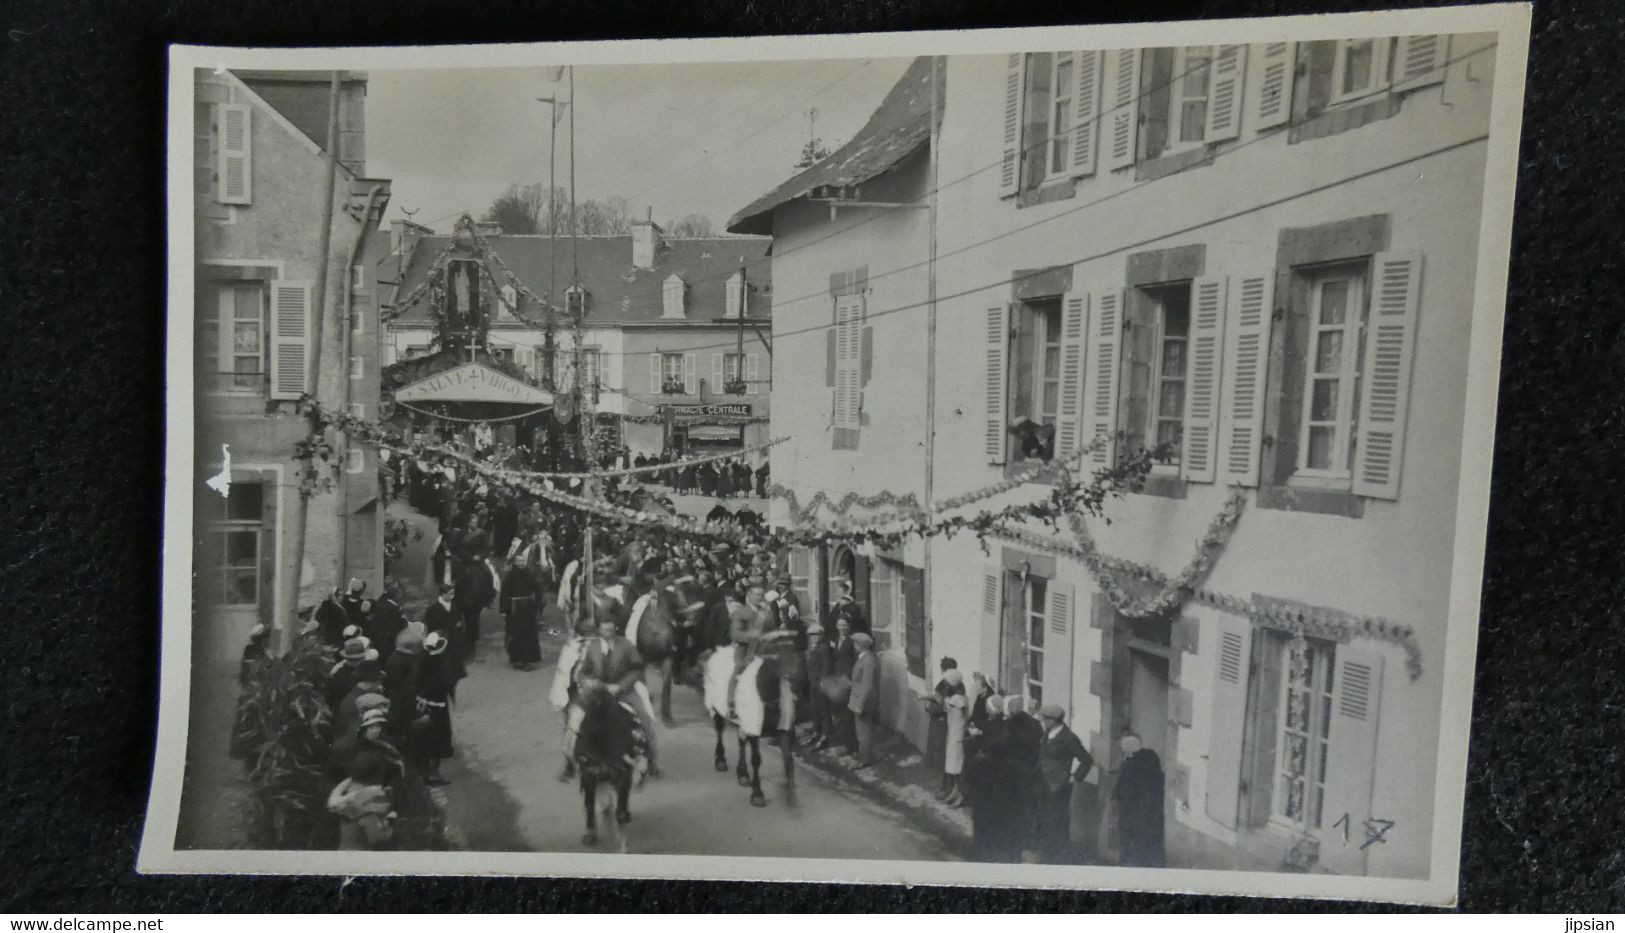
(681, 138)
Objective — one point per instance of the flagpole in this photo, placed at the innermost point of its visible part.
(583, 412)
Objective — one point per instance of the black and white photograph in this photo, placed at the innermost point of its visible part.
(1051, 457)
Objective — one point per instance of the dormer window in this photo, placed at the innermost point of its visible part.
(575, 301)
(509, 304)
(675, 296)
(736, 295)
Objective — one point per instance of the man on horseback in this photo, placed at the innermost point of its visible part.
(747, 623)
(612, 659)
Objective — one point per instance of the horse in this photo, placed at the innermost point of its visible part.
(763, 703)
(673, 604)
(610, 749)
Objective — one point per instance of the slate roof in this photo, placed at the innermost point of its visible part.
(617, 293)
(899, 127)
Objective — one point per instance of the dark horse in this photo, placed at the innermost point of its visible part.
(665, 634)
(762, 703)
(609, 750)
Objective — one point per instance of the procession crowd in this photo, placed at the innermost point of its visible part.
(661, 598)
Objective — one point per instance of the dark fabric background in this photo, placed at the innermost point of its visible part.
(81, 382)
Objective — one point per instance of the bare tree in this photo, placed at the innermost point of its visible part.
(691, 225)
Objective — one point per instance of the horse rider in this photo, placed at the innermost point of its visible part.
(563, 694)
(747, 622)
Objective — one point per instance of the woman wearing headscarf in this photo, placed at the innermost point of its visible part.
(1140, 794)
(431, 732)
(992, 809)
(1026, 740)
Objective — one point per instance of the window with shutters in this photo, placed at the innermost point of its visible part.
(1170, 372)
(1191, 84)
(1360, 68)
(671, 374)
(1064, 86)
(886, 603)
(1337, 316)
(231, 344)
(1021, 642)
(1035, 380)
(229, 560)
(1303, 726)
(733, 373)
(848, 371)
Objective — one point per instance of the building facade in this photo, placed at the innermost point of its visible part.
(675, 336)
(259, 169)
(1261, 260)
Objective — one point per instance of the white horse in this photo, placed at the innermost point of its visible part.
(763, 701)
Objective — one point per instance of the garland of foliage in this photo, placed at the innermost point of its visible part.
(424, 411)
(1175, 591)
(657, 468)
(402, 305)
(910, 506)
(1066, 498)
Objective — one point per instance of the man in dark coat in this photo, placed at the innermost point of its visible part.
(819, 665)
(331, 620)
(1025, 739)
(474, 591)
(845, 607)
(843, 658)
(761, 480)
(442, 616)
(1062, 762)
(1140, 794)
(385, 622)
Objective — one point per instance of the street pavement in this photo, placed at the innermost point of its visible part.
(505, 794)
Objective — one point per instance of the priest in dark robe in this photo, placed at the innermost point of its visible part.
(1140, 796)
(521, 607)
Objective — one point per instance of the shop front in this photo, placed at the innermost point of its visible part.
(706, 429)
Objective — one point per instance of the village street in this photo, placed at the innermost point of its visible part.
(505, 794)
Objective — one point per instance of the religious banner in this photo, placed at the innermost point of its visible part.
(473, 382)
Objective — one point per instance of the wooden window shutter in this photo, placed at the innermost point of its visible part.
(718, 377)
(657, 376)
(1100, 389)
(992, 624)
(1385, 392)
(1246, 375)
(1224, 100)
(236, 170)
(867, 354)
(290, 339)
(860, 584)
(1197, 458)
(1086, 112)
(1420, 61)
(830, 338)
(1074, 325)
(1272, 104)
(1010, 145)
(914, 620)
(1229, 712)
(751, 375)
(997, 381)
(1059, 616)
(1122, 103)
(690, 374)
(1351, 759)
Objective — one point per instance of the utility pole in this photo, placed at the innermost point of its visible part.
(584, 414)
(931, 353)
(301, 527)
(739, 347)
(548, 348)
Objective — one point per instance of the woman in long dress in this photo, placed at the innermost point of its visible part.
(431, 732)
(1140, 795)
(953, 761)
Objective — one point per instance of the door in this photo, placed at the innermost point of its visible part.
(1148, 701)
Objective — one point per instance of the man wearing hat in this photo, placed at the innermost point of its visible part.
(343, 676)
(819, 662)
(385, 622)
(845, 607)
(1062, 761)
(864, 702)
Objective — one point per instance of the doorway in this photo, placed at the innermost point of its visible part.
(1148, 699)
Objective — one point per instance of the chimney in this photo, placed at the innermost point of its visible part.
(645, 242)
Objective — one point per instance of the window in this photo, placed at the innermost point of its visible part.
(1170, 371)
(1021, 661)
(846, 359)
(733, 373)
(417, 351)
(735, 301)
(355, 460)
(1192, 81)
(358, 366)
(502, 354)
(508, 304)
(358, 278)
(1304, 724)
(1360, 68)
(1332, 374)
(230, 557)
(885, 601)
(575, 301)
(671, 374)
(1035, 390)
(231, 336)
(1060, 124)
(673, 297)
